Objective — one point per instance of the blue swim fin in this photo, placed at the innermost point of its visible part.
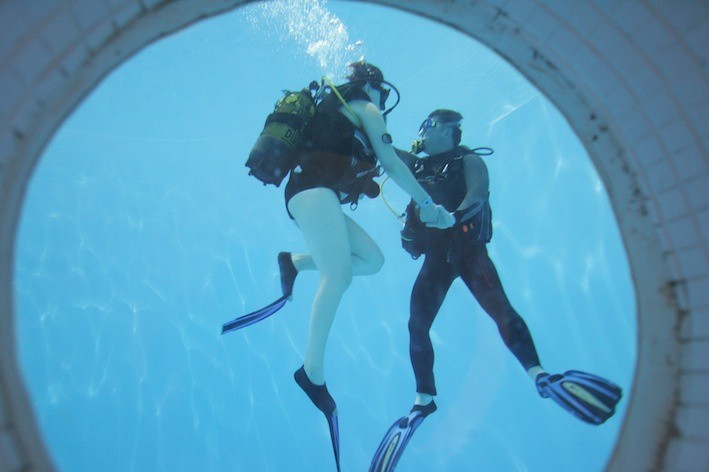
(255, 317)
(324, 402)
(395, 440)
(288, 275)
(586, 396)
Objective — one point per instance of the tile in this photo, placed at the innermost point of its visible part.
(88, 18)
(696, 191)
(692, 421)
(683, 232)
(662, 176)
(31, 61)
(695, 324)
(61, 31)
(584, 19)
(690, 162)
(683, 455)
(693, 261)
(676, 135)
(673, 204)
(698, 295)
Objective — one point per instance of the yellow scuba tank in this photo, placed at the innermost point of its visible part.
(275, 152)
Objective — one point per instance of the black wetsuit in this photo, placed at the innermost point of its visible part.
(335, 154)
(459, 251)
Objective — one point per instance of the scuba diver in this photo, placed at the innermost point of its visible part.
(336, 164)
(457, 178)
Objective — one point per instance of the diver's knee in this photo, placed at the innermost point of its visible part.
(370, 262)
(377, 261)
(419, 348)
(513, 325)
(338, 281)
(417, 332)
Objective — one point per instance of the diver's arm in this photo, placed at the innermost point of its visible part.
(375, 128)
(477, 181)
(406, 156)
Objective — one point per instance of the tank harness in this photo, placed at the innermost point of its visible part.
(275, 153)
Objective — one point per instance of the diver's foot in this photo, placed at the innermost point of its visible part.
(318, 394)
(321, 398)
(395, 440)
(426, 409)
(288, 273)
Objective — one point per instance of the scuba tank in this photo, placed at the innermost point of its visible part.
(275, 152)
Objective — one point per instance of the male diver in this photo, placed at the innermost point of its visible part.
(457, 178)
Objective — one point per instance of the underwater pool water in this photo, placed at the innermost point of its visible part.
(142, 233)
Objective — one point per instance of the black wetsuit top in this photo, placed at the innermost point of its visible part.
(335, 154)
(451, 253)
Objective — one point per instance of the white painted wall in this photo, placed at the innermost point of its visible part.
(630, 76)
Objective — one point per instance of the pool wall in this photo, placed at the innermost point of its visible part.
(630, 77)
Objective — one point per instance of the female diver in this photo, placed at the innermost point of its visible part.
(336, 165)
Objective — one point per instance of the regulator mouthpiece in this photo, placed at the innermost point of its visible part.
(417, 146)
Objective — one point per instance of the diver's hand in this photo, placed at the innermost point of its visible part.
(435, 216)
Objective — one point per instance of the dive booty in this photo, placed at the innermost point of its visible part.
(288, 273)
(425, 410)
(324, 402)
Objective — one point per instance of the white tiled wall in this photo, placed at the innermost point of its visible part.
(638, 67)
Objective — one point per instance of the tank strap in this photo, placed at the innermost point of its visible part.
(344, 102)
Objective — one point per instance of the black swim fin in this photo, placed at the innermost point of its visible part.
(255, 317)
(324, 402)
(395, 440)
(586, 396)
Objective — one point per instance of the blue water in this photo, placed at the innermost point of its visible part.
(142, 234)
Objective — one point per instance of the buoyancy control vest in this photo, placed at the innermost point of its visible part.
(443, 177)
(336, 153)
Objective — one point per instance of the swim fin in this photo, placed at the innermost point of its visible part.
(255, 317)
(395, 440)
(322, 399)
(288, 275)
(586, 396)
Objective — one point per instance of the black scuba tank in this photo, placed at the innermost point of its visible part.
(275, 151)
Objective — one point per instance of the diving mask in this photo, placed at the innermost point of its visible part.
(429, 123)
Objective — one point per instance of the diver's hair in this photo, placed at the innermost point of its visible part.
(363, 72)
(452, 119)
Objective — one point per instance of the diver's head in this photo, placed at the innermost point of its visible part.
(370, 79)
(440, 132)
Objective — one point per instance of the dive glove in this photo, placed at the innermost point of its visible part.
(435, 216)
